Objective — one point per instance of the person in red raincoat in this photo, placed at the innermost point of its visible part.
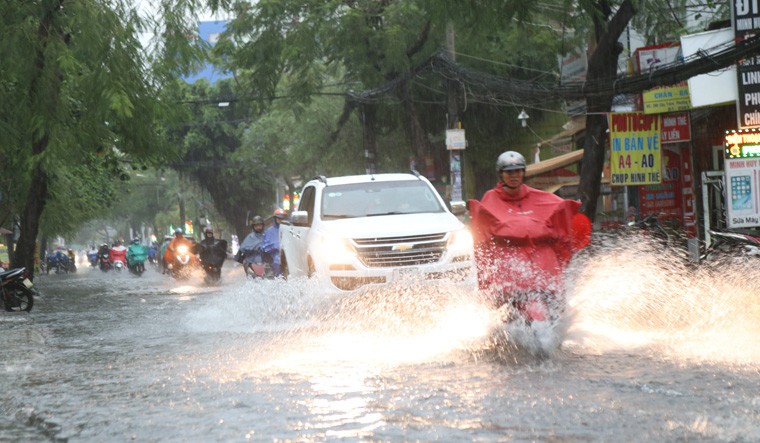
(524, 239)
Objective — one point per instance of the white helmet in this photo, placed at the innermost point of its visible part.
(509, 161)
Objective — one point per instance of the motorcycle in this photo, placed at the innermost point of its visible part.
(259, 267)
(212, 258)
(137, 268)
(728, 244)
(92, 257)
(118, 265)
(651, 224)
(17, 290)
(183, 263)
(103, 262)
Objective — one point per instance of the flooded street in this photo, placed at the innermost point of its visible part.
(648, 356)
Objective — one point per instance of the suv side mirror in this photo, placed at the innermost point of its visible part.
(458, 208)
(299, 218)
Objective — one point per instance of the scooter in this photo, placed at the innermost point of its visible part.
(259, 268)
(118, 265)
(104, 263)
(183, 263)
(731, 244)
(17, 290)
(212, 258)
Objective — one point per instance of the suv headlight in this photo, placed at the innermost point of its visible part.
(336, 250)
(461, 240)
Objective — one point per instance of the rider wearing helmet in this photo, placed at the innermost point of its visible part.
(524, 237)
(251, 246)
(271, 243)
(212, 253)
(178, 240)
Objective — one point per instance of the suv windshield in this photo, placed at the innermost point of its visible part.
(379, 198)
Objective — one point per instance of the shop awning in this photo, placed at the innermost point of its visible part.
(551, 164)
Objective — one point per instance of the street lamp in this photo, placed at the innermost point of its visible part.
(523, 117)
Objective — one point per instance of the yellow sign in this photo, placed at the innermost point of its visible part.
(635, 157)
(667, 99)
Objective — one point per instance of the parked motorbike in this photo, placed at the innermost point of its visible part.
(17, 290)
(729, 244)
(651, 224)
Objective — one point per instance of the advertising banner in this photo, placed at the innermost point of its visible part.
(675, 128)
(746, 20)
(664, 98)
(742, 174)
(665, 198)
(635, 157)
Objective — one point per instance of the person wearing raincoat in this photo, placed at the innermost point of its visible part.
(136, 256)
(524, 239)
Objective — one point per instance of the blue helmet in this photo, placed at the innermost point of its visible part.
(178, 231)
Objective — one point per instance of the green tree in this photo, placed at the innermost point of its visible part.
(76, 84)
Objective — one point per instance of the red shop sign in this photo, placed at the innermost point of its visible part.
(675, 127)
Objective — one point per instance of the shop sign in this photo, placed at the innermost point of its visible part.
(635, 157)
(455, 139)
(670, 98)
(746, 20)
(675, 128)
(744, 143)
(742, 198)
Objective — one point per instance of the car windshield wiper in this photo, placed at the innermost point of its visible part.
(387, 213)
(338, 216)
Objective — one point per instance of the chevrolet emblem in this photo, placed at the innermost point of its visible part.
(402, 247)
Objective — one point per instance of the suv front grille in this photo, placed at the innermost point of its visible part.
(400, 251)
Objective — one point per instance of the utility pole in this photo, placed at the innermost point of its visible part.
(452, 122)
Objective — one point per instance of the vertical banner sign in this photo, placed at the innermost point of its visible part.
(745, 15)
(742, 168)
(456, 142)
(635, 157)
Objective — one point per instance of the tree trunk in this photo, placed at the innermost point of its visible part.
(38, 189)
(602, 70)
(369, 113)
(30, 221)
(417, 137)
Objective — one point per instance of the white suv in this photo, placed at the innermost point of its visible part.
(374, 229)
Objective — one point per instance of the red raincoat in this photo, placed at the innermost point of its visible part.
(524, 243)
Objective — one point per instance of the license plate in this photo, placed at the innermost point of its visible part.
(406, 273)
(28, 283)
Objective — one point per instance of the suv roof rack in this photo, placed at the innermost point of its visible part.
(321, 178)
(416, 173)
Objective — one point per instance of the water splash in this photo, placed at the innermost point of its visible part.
(632, 292)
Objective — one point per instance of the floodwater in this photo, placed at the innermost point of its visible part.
(651, 350)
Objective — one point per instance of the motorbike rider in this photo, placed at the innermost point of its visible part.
(251, 246)
(271, 243)
(524, 239)
(212, 252)
(171, 249)
(118, 253)
(136, 255)
(92, 256)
